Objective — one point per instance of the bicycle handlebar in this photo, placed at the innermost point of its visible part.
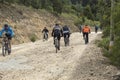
(2, 37)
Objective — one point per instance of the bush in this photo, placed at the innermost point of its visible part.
(33, 37)
(115, 54)
(106, 32)
(49, 8)
(104, 43)
(78, 22)
(68, 9)
(69, 16)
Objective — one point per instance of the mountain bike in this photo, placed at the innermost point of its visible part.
(45, 36)
(5, 46)
(66, 40)
(85, 38)
(57, 45)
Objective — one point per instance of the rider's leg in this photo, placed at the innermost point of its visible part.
(83, 35)
(68, 38)
(9, 46)
(53, 40)
(87, 38)
(9, 43)
(47, 35)
(64, 35)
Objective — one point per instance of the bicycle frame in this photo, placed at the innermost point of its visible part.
(85, 38)
(45, 37)
(56, 44)
(5, 46)
(66, 40)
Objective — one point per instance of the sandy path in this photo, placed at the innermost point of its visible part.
(38, 61)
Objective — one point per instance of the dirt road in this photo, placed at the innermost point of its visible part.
(38, 61)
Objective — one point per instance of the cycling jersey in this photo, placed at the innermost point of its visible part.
(86, 29)
(8, 31)
(66, 29)
(56, 30)
(45, 30)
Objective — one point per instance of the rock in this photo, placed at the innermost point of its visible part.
(117, 76)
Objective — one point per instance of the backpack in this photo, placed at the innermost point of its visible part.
(65, 28)
(57, 30)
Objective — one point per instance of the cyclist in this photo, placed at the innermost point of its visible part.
(66, 32)
(45, 31)
(80, 28)
(96, 28)
(57, 32)
(8, 33)
(86, 31)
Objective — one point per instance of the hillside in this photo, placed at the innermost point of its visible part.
(28, 22)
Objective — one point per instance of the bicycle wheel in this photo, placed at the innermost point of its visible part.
(66, 40)
(8, 49)
(56, 44)
(3, 49)
(46, 37)
(86, 40)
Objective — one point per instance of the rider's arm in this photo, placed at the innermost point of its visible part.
(69, 30)
(1, 32)
(83, 30)
(89, 30)
(47, 30)
(11, 32)
(43, 30)
(61, 32)
(52, 32)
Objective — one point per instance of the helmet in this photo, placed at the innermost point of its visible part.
(65, 26)
(5, 25)
(56, 24)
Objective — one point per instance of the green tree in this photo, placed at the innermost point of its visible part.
(35, 4)
(88, 13)
(57, 6)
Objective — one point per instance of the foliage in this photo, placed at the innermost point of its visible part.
(78, 22)
(78, 7)
(57, 6)
(88, 12)
(68, 9)
(69, 16)
(33, 37)
(114, 56)
(104, 43)
(106, 32)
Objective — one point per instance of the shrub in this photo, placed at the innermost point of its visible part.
(104, 43)
(115, 54)
(33, 37)
(106, 31)
(69, 16)
(78, 22)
